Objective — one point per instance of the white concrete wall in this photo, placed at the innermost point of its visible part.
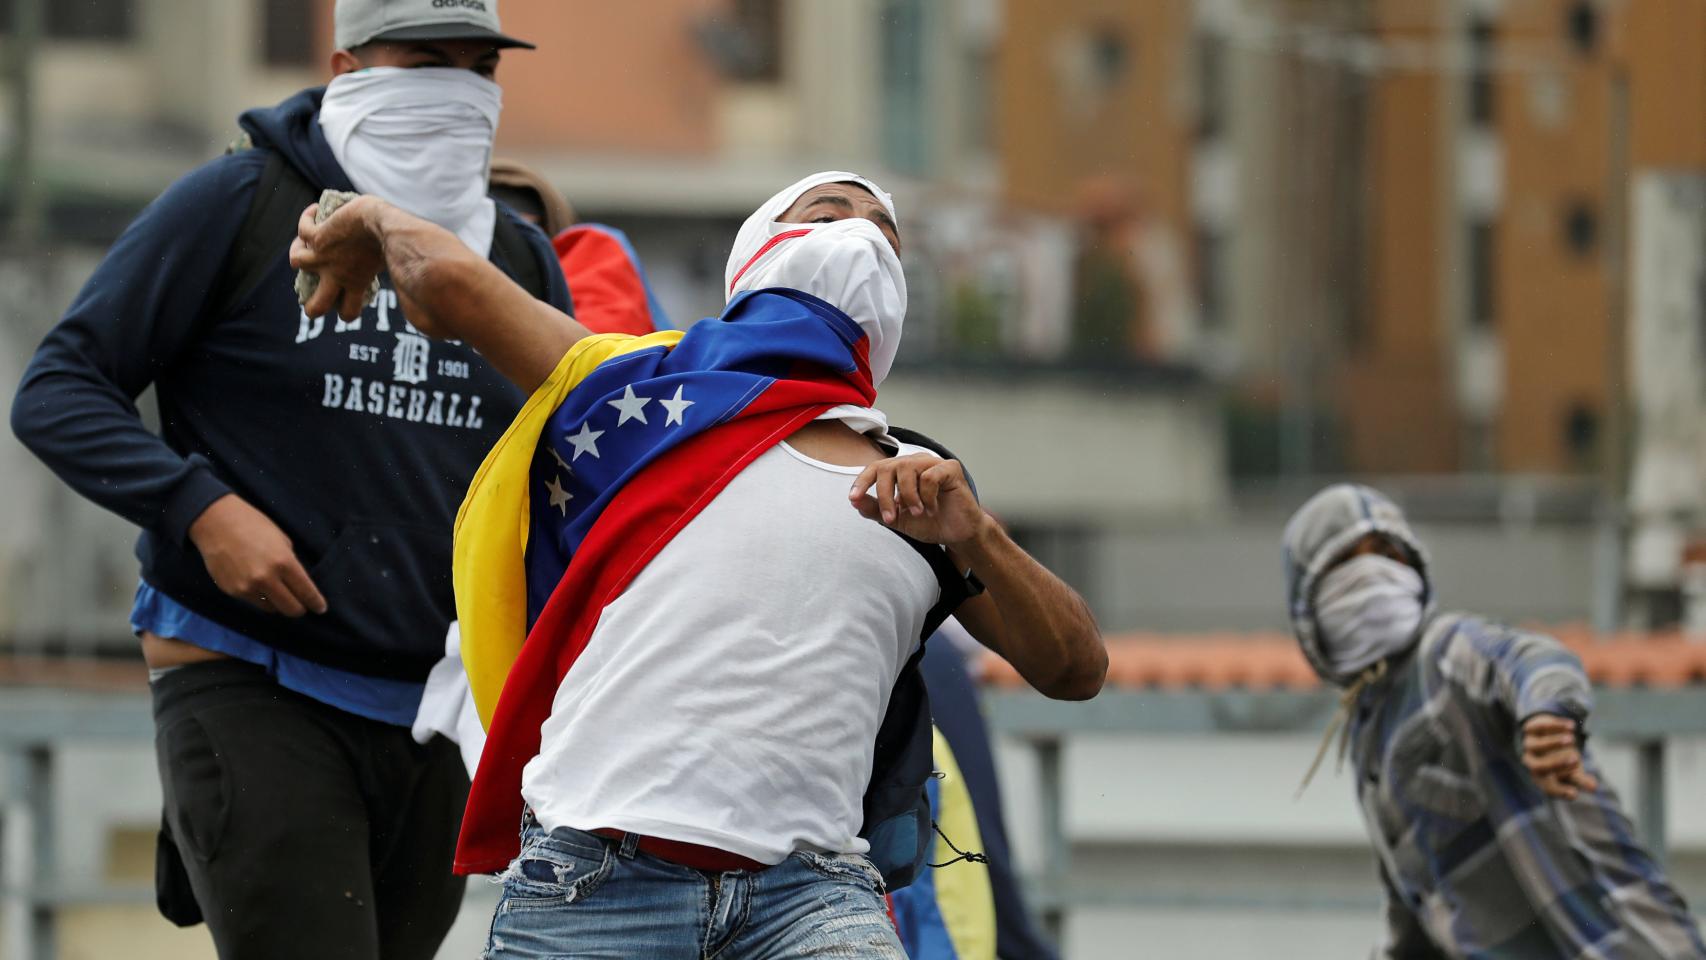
(1206, 834)
(1203, 830)
(1227, 575)
(1054, 449)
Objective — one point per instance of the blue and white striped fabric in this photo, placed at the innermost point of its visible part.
(1476, 860)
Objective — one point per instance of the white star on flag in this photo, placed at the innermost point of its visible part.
(676, 408)
(559, 497)
(585, 442)
(632, 407)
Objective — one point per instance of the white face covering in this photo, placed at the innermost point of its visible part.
(421, 139)
(848, 263)
(1368, 609)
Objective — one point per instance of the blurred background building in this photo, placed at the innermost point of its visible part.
(1174, 264)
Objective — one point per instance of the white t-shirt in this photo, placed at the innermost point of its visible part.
(731, 696)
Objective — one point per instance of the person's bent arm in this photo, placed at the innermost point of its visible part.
(143, 308)
(1031, 617)
(1539, 684)
(1027, 614)
(445, 289)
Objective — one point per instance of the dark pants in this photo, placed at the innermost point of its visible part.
(301, 830)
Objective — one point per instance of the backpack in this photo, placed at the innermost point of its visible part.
(282, 195)
(897, 822)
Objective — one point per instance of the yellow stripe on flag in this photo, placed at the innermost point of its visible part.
(963, 894)
(489, 570)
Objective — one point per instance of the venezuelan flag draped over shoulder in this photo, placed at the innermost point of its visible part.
(617, 451)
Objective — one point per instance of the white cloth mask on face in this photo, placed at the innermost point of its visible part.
(847, 263)
(421, 139)
(763, 241)
(1368, 608)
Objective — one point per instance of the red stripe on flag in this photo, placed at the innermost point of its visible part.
(637, 522)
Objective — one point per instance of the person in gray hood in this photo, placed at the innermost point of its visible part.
(1493, 834)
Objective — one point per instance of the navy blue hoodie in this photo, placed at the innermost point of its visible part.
(357, 439)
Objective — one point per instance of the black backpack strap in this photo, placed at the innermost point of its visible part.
(955, 587)
(264, 237)
(509, 243)
(916, 439)
(270, 225)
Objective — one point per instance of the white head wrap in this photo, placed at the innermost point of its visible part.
(848, 263)
(421, 139)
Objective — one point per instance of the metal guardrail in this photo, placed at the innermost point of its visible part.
(1643, 717)
(36, 722)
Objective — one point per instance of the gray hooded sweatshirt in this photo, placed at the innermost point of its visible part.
(1476, 860)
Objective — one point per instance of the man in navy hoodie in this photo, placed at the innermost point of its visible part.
(296, 507)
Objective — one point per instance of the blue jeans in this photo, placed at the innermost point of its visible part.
(571, 894)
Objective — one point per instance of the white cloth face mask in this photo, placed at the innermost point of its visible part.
(1368, 608)
(848, 263)
(419, 138)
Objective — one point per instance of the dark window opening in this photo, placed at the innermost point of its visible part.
(1482, 40)
(979, 92)
(1211, 278)
(1582, 24)
(1110, 56)
(79, 19)
(1581, 228)
(1581, 435)
(1482, 274)
(287, 33)
(1211, 86)
(746, 45)
(905, 126)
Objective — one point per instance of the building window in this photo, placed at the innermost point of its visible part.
(746, 44)
(1581, 228)
(1211, 85)
(1581, 436)
(1482, 49)
(906, 127)
(1481, 274)
(101, 20)
(1581, 23)
(1109, 56)
(287, 33)
(1090, 64)
(979, 99)
(1211, 278)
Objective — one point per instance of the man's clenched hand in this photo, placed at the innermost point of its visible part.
(250, 558)
(1552, 752)
(345, 252)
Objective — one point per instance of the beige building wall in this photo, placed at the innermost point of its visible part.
(610, 77)
(1661, 48)
(1554, 296)
(1395, 402)
(1065, 114)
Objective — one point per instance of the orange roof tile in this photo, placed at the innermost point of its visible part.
(1272, 661)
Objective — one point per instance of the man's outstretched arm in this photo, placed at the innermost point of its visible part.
(445, 289)
(1027, 614)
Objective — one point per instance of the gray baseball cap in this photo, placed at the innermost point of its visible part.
(364, 21)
